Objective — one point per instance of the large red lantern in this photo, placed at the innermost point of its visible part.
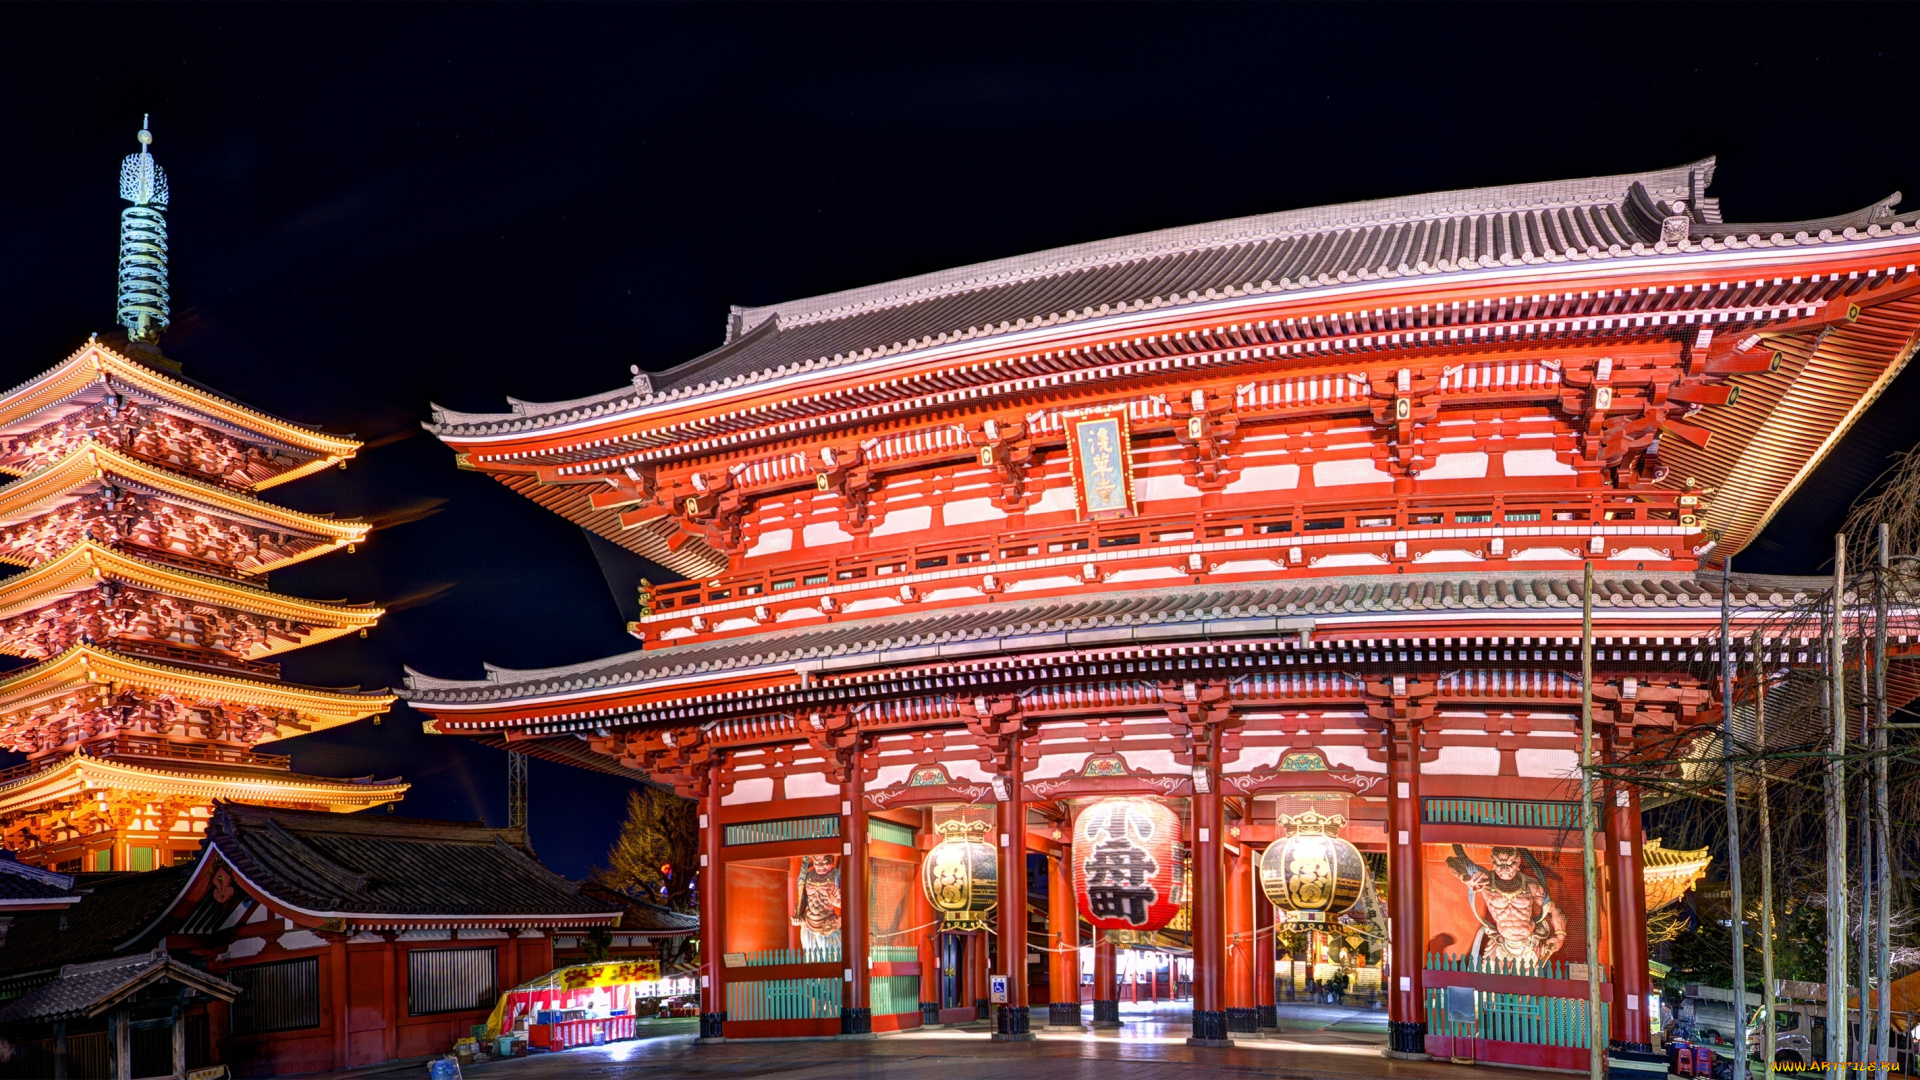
(1126, 863)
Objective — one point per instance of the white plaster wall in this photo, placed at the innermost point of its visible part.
(904, 520)
(810, 784)
(967, 511)
(1350, 471)
(1264, 478)
(772, 542)
(1555, 763)
(758, 789)
(1464, 761)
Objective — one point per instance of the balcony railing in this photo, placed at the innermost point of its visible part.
(201, 658)
(134, 746)
(1223, 543)
(140, 748)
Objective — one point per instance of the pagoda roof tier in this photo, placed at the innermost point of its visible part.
(1609, 262)
(78, 775)
(84, 666)
(699, 682)
(95, 373)
(91, 467)
(86, 564)
(1670, 873)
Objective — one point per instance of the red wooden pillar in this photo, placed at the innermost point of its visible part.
(927, 939)
(390, 998)
(337, 959)
(1063, 920)
(1209, 900)
(1406, 886)
(1106, 981)
(977, 964)
(1011, 1021)
(510, 961)
(1629, 930)
(1240, 993)
(713, 991)
(1265, 1018)
(856, 1016)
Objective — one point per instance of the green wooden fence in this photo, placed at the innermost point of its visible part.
(1519, 1018)
(1554, 969)
(890, 994)
(773, 832)
(829, 954)
(785, 999)
(1519, 813)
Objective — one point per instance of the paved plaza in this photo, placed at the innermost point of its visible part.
(1317, 1041)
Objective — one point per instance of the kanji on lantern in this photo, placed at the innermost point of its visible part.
(1126, 864)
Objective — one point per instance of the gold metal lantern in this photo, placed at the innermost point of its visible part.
(962, 875)
(1313, 875)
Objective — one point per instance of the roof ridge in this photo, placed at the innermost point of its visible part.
(1676, 182)
(1345, 593)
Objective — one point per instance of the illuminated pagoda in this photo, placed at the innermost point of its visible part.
(1271, 521)
(142, 598)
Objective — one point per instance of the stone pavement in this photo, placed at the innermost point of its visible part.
(1319, 1042)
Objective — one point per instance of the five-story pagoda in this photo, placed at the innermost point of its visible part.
(143, 603)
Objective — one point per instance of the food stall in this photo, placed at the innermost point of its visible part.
(584, 1005)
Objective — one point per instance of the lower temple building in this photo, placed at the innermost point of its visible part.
(1222, 586)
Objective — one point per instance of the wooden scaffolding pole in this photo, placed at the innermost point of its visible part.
(1768, 1029)
(1882, 948)
(1596, 1059)
(1737, 902)
(1836, 813)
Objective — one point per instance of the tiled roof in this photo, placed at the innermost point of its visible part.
(112, 909)
(82, 990)
(23, 884)
(346, 865)
(1146, 616)
(1603, 218)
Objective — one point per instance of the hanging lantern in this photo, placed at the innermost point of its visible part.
(1125, 864)
(962, 875)
(1313, 875)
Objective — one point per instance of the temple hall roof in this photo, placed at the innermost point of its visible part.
(113, 908)
(1144, 616)
(1634, 217)
(359, 866)
(82, 990)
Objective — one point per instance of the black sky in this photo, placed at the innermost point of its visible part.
(380, 206)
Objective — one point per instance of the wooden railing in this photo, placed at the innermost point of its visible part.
(829, 954)
(888, 995)
(785, 999)
(162, 650)
(134, 746)
(1552, 969)
(1320, 527)
(1529, 1019)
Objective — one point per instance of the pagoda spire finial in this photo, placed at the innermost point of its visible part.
(143, 244)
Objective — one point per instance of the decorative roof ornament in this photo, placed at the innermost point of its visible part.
(143, 244)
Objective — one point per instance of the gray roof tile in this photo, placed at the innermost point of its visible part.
(1193, 612)
(1414, 236)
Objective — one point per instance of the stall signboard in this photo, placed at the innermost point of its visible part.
(590, 976)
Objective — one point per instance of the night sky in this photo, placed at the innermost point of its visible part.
(379, 207)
